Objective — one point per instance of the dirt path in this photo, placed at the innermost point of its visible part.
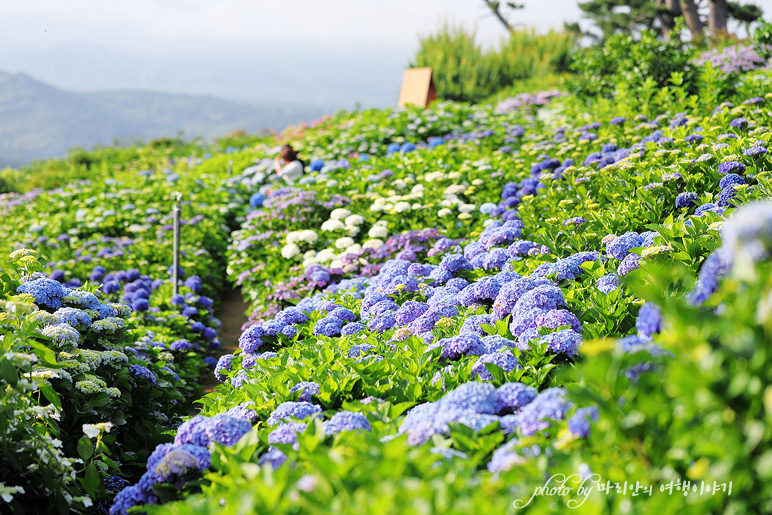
(232, 314)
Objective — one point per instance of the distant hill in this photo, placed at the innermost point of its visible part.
(38, 120)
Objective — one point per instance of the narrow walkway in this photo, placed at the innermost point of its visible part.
(232, 314)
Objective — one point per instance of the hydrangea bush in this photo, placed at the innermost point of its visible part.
(449, 307)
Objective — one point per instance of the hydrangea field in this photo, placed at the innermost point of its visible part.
(450, 308)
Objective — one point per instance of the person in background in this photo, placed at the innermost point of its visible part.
(288, 166)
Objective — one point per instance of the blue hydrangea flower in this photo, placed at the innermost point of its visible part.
(328, 326)
(73, 317)
(143, 372)
(608, 283)
(513, 396)
(357, 350)
(346, 421)
(755, 151)
(288, 410)
(459, 345)
(628, 264)
(251, 339)
(352, 328)
(620, 246)
(47, 292)
(505, 360)
(730, 179)
(223, 364)
(731, 166)
(452, 263)
(306, 389)
(287, 433)
(579, 423)
(748, 233)
(274, 457)
(649, 319)
(382, 322)
(550, 404)
(686, 199)
(505, 457)
(180, 461)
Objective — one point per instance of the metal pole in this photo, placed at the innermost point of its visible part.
(176, 250)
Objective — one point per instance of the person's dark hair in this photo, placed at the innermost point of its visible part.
(288, 153)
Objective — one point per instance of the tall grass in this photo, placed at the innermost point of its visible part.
(463, 71)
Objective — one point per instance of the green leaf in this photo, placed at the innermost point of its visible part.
(85, 448)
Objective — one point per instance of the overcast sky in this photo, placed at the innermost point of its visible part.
(330, 53)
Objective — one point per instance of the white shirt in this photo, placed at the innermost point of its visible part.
(291, 171)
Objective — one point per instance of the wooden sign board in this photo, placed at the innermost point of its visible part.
(417, 88)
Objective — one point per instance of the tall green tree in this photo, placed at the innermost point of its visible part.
(633, 16)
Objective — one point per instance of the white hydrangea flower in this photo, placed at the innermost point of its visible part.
(434, 176)
(353, 249)
(467, 208)
(454, 189)
(309, 236)
(381, 223)
(352, 231)
(309, 254)
(353, 220)
(293, 237)
(326, 255)
(333, 225)
(336, 263)
(400, 184)
(94, 430)
(343, 243)
(62, 334)
(339, 214)
(289, 251)
(378, 231)
(464, 216)
(401, 207)
(442, 213)
(7, 492)
(332, 183)
(372, 244)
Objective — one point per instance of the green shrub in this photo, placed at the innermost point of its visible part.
(463, 71)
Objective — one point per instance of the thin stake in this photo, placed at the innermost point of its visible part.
(176, 250)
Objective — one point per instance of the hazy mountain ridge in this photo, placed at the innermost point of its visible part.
(38, 120)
